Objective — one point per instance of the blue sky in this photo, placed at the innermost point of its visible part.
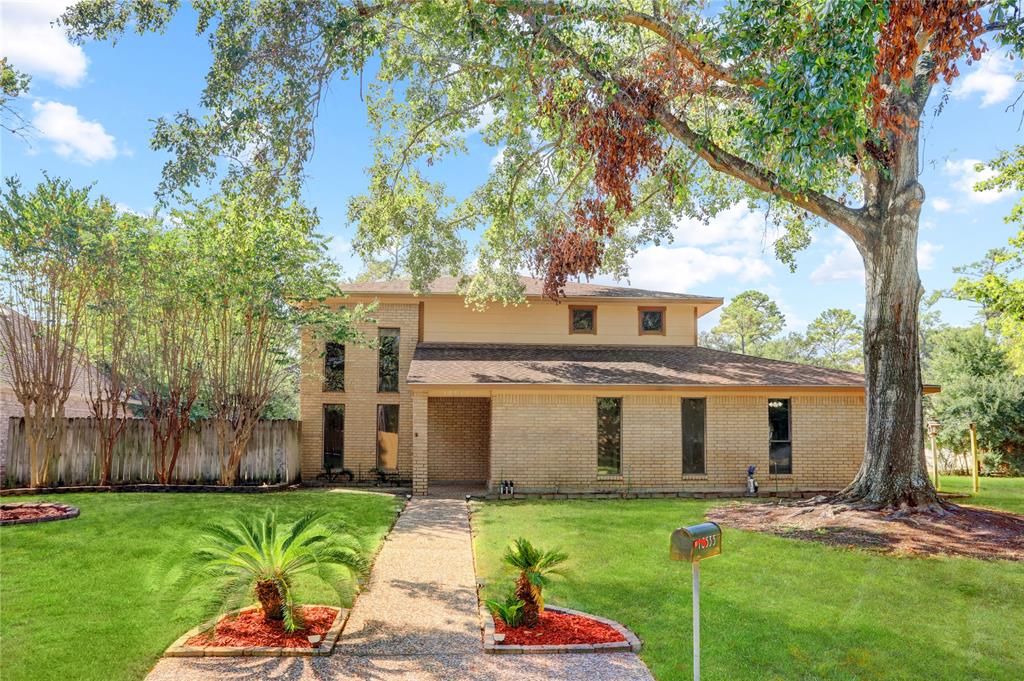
(93, 109)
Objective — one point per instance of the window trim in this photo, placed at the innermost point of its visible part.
(789, 431)
(323, 387)
(704, 438)
(572, 329)
(652, 308)
(398, 360)
(597, 408)
(323, 434)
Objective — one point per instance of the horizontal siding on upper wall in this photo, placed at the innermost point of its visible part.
(448, 320)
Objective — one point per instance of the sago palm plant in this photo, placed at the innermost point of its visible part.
(535, 569)
(256, 556)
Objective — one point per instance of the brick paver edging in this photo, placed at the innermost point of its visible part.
(631, 644)
(66, 513)
(180, 648)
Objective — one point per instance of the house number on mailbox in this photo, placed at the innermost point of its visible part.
(692, 545)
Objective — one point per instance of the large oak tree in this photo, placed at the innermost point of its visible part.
(614, 118)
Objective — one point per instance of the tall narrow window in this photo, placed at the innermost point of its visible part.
(387, 437)
(583, 319)
(387, 360)
(334, 367)
(334, 436)
(609, 435)
(780, 444)
(694, 410)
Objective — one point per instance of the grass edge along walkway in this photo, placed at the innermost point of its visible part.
(91, 598)
(772, 608)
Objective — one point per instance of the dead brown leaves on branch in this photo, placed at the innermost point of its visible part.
(952, 28)
(619, 140)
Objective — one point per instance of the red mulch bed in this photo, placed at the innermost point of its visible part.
(556, 629)
(249, 629)
(34, 512)
(962, 531)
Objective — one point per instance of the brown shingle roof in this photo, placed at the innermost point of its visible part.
(533, 288)
(461, 364)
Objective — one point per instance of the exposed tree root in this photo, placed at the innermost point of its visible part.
(924, 530)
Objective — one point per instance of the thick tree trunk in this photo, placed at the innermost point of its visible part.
(893, 473)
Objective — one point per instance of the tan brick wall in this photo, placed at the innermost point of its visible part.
(460, 431)
(549, 442)
(360, 396)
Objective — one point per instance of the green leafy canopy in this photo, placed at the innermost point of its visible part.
(772, 109)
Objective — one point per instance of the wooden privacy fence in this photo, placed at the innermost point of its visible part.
(272, 455)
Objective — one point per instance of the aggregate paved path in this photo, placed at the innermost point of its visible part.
(417, 619)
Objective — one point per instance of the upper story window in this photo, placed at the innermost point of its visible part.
(780, 443)
(583, 319)
(334, 367)
(387, 360)
(652, 321)
(609, 435)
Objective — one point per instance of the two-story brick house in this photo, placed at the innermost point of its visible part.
(605, 391)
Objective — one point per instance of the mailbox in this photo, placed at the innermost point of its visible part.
(697, 542)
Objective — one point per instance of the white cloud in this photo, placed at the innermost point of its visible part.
(965, 177)
(734, 230)
(339, 248)
(72, 136)
(682, 269)
(487, 116)
(840, 265)
(926, 254)
(34, 45)
(941, 205)
(844, 263)
(732, 244)
(498, 158)
(992, 77)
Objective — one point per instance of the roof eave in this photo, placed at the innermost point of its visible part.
(704, 304)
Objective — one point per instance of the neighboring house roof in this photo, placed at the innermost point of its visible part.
(534, 288)
(462, 364)
(84, 371)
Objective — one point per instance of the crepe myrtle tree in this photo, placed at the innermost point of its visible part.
(613, 118)
(271, 275)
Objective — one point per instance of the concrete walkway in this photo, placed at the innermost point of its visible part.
(416, 620)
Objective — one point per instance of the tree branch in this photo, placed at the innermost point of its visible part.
(634, 18)
(851, 221)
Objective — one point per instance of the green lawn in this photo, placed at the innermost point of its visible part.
(772, 608)
(90, 598)
(1006, 494)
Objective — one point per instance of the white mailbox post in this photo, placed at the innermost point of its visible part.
(693, 544)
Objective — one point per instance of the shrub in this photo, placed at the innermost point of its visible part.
(245, 557)
(535, 568)
(509, 611)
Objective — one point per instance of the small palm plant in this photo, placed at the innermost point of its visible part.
(535, 569)
(260, 557)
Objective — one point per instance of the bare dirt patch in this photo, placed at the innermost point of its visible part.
(963, 531)
(35, 512)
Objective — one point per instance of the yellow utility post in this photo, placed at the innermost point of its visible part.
(974, 458)
(933, 430)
